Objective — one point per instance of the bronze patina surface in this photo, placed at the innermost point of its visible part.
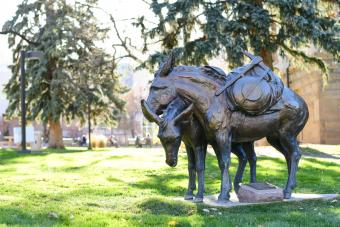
(178, 123)
(223, 125)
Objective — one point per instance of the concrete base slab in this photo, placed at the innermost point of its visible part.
(211, 200)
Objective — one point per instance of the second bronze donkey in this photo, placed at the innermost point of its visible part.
(179, 124)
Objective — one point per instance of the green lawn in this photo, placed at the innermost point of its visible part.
(134, 187)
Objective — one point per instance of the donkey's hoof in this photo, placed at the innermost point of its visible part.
(223, 199)
(287, 195)
(189, 197)
(198, 200)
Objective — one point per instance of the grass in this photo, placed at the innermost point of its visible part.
(134, 187)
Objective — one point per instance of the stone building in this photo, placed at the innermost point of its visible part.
(323, 100)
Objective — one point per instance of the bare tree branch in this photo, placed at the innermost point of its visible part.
(20, 35)
(123, 42)
(146, 2)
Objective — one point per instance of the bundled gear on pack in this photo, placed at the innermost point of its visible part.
(253, 88)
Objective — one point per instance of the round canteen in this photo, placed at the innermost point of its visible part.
(251, 94)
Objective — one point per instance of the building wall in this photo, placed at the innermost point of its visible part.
(330, 107)
(323, 100)
(308, 85)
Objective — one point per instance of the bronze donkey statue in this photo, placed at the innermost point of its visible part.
(178, 123)
(223, 126)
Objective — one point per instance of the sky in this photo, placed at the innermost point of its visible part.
(120, 9)
(6, 12)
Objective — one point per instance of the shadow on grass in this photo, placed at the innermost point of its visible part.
(313, 176)
(160, 206)
(162, 183)
(311, 152)
(13, 156)
(303, 213)
(66, 150)
(17, 216)
(93, 163)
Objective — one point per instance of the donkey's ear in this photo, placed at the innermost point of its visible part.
(185, 114)
(149, 114)
(168, 65)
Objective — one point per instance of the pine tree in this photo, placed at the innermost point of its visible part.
(73, 71)
(201, 29)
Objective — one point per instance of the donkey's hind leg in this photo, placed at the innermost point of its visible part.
(292, 146)
(277, 145)
(288, 146)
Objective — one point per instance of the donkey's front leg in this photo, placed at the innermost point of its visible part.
(237, 149)
(248, 147)
(200, 152)
(223, 145)
(192, 174)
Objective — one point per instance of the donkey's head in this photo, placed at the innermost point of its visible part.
(170, 127)
(162, 91)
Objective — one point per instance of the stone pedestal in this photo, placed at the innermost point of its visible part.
(259, 192)
(212, 200)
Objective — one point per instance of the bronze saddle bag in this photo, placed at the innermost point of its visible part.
(252, 88)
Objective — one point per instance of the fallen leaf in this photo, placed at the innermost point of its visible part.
(172, 223)
(53, 215)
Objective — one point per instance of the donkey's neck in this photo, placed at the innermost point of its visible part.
(195, 89)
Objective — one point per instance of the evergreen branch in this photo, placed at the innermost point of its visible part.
(279, 22)
(134, 19)
(314, 60)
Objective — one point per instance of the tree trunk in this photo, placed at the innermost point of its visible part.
(267, 58)
(45, 132)
(55, 139)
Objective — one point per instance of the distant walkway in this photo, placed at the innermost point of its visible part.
(308, 151)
